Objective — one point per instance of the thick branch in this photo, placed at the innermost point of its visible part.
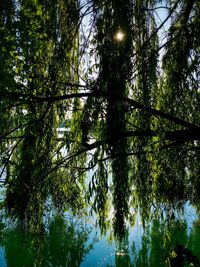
(187, 11)
(161, 114)
(176, 135)
(131, 102)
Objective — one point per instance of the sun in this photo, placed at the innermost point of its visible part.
(119, 36)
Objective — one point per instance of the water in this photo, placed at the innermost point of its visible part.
(73, 241)
(2, 258)
(100, 255)
(77, 241)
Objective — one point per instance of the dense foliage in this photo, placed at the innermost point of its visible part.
(120, 79)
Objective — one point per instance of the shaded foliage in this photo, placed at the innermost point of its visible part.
(128, 107)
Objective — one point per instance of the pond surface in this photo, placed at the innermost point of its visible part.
(74, 241)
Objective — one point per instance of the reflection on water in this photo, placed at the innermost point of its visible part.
(69, 241)
(63, 244)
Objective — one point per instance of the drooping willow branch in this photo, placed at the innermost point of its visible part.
(130, 101)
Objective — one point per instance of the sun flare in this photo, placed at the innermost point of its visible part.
(119, 36)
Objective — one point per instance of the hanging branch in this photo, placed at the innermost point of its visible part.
(132, 102)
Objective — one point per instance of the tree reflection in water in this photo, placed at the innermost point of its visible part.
(164, 244)
(63, 244)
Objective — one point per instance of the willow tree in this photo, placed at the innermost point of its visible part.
(43, 51)
(114, 48)
(146, 103)
(143, 90)
(128, 98)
